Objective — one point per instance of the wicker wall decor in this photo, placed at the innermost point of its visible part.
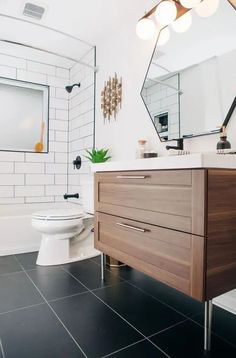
(111, 97)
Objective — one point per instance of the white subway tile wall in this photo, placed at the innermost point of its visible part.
(81, 123)
(37, 178)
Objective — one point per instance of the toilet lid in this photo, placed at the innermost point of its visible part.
(59, 214)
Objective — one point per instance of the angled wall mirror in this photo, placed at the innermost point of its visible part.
(24, 116)
(190, 84)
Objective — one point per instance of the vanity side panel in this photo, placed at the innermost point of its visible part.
(221, 232)
(199, 201)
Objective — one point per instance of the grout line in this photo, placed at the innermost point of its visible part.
(166, 329)
(77, 344)
(10, 273)
(22, 308)
(120, 350)
(64, 297)
(112, 285)
(1, 349)
(130, 324)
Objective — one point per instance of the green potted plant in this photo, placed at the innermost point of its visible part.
(98, 155)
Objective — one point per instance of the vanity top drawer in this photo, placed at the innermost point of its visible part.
(155, 177)
(168, 198)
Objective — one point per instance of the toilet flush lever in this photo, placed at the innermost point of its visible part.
(77, 162)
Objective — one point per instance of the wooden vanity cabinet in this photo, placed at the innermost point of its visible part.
(178, 226)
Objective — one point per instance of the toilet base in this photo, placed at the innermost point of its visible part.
(58, 252)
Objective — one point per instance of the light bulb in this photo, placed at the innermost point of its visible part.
(189, 4)
(207, 7)
(183, 23)
(166, 12)
(163, 37)
(145, 29)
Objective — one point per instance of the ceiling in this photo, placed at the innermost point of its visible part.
(90, 21)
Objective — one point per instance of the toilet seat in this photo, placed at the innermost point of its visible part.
(59, 214)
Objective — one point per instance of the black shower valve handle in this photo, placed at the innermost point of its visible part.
(77, 162)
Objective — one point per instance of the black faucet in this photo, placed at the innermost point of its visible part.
(179, 146)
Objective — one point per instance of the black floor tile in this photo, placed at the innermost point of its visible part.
(97, 329)
(54, 282)
(170, 296)
(97, 259)
(28, 260)
(128, 273)
(8, 264)
(36, 333)
(145, 313)
(223, 324)
(17, 291)
(186, 340)
(89, 274)
(140, 350)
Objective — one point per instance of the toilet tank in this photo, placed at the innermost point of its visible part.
(88, 196)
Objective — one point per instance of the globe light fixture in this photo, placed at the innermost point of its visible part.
(166, 12)
(189, 4)
(174, 13)
(183, 23)
(145, 29)
(207, 7)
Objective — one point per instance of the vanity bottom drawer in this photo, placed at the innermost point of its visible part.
(165, 254)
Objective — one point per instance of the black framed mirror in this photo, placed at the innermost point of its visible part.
(190, 85)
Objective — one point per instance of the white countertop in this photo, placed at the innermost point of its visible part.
(196, 160)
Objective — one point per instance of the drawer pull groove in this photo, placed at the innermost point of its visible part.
(131, 227)
(131, 177)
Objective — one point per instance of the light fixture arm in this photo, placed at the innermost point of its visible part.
(180, 10)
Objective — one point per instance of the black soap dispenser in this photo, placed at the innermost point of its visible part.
(223, 142)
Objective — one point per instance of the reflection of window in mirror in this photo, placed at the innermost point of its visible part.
(161, 124)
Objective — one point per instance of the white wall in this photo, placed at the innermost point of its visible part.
(123, 52)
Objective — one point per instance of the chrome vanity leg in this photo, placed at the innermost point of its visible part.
(102, 266)
(207, 325)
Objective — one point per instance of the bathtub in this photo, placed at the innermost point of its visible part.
(17, 235)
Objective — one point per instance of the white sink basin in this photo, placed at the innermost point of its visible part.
(196, 160)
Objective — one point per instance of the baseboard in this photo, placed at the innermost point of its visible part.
(20, 250)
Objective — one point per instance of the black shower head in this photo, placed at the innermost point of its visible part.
(70, 88)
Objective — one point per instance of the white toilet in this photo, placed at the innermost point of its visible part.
(67, 234)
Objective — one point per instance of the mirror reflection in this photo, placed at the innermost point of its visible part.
(191, 81)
